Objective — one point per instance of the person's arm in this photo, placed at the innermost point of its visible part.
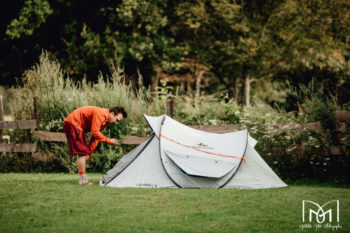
(93, 144)
(96, 135)
(96, 124)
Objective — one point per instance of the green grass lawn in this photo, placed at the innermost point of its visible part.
(56, 203)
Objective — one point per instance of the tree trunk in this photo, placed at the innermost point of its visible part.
(236, 91)
(182, 87)
(198, 83)
(189, 87)
(246, 101)
(155, 81)
(1, 114)
(154, 86)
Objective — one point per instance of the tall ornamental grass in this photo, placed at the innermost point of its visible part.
(59, 95)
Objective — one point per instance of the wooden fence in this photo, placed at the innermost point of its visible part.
(342, 117)
(134, 140)
(23, 124)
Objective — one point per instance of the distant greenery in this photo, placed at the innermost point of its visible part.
(56, 203)
(294, 153)
(240, 42)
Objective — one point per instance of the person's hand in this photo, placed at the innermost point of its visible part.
(114, 142)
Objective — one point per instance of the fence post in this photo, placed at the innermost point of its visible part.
(170, 107)
(36, 112)
(1, 114)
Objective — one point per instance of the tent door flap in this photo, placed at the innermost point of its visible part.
(205, 166)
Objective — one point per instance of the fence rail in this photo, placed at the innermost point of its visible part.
(61, 137)
(15, 148)
(135, 140)
(340, 116)
(23, 124)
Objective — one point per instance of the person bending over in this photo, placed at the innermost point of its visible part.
(89, 119)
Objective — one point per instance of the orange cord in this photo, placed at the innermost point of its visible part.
(207, 152)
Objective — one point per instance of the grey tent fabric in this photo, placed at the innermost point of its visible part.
(144, 171)
(176, 155)
(125, 161)
(199, 166)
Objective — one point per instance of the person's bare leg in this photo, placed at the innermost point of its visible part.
(81, 163)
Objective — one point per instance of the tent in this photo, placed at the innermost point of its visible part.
(175, 155)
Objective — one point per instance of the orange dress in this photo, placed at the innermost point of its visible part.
(90, 119)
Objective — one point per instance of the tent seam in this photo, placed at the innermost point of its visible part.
(160, 154)
(238, 165)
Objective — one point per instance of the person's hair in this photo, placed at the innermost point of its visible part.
(118, 109)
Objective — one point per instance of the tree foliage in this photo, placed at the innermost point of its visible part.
(312, 36)
(276, 40)
(31, 16)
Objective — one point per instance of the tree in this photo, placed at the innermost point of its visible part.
(312, 38)
(241, 41)
(31, 16)
(19, 25)
(135, 35)
(230, 36)
(89, 36)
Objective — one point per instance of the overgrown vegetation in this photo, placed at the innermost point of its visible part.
(292, 152)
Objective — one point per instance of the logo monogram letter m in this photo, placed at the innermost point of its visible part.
(320, 214)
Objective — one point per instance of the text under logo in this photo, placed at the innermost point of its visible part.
(324, 216)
